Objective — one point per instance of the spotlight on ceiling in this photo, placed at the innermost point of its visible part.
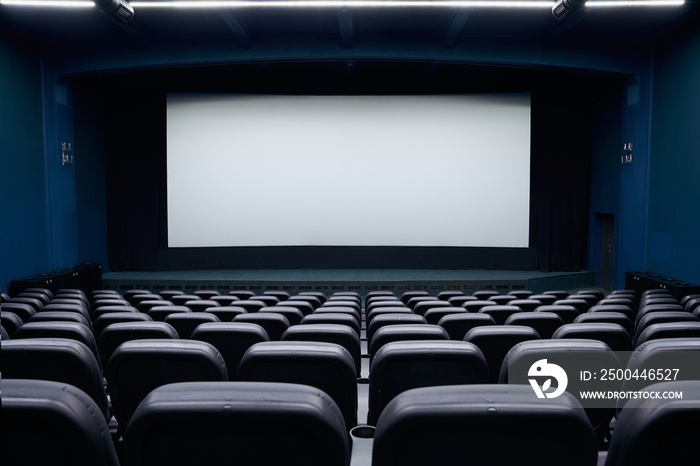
(120, 9)
(562, 9)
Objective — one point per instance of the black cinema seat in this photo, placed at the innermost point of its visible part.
(403, 365)
(651, 431)
(496, 340)
(56, 329)
(180, 300)
(574, 356)
(139, 366)
(651, 318)
(226, 313)
(382, 320)
(665, 330)
(274, 324)
(567, 313)
(433, 315)
(115, 317)
(662, 357)
(609, 317)
(406, 332)
(247, 423)
(159, 313)
(500, 313)
(332, 318)
(483, 425)
(329, 333)
(97, 312)
(186, 322)
(293, 314)
(457, 325)
(10, 322)
(613, 335)
(545, 323)
(51, 316)
(23, 311)
(206, 294)
(232, 339)
(58, 359)
(201, 305)
(326, 366)
(117, 333)
(52, 423)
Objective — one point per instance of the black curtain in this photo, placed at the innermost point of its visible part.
(560, 176)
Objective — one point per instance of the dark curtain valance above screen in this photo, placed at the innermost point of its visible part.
(135, 135)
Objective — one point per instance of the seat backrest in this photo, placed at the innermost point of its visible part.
(115, 334)
(51, 316)
(403, 365)
(186, 322)
(483, 425)
(159, 313)
(433, 315)
(115, 317)
(23, 311)
(407, 332)
(139, 366)
(326, 366)
(668, 330)
(457, 325)
(338, 319)
(10, 322)
(47, 422)
(613, 335)
(669, 358)
(658, 431)
(58, 359)
(382, 320)
(261, 423)
(274, 324)
(496, 340)
(605, 316)
(201, 305)
(232, 339)
(55, 329)
(574, 356)
(567, 313)
(545, 323)
(500, 313)
(329, 333)
(651, 318)
(293, 314)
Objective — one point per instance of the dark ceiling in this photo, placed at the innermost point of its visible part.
(618, 28)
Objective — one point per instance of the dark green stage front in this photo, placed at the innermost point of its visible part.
(360, 280)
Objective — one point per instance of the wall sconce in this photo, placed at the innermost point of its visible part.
(66, 155)
(626, 158)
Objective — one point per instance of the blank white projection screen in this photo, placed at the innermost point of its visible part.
(419, 170)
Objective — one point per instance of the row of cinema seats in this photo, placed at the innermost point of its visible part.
(265, 423)
(406, 353)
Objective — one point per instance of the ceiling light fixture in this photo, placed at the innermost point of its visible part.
(124, 9)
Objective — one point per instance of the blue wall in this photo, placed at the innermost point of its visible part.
(673, 247)
(23, 226)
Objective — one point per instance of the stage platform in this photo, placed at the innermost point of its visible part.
(360, 280)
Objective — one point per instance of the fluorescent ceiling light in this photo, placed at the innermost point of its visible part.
(387, 3)
(195, 4)
(49, 3)
(630, 3)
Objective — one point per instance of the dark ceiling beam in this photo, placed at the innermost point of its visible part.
(345, 21)
(129, 28)
(237, 27)
(459, 20)
(565, 26)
